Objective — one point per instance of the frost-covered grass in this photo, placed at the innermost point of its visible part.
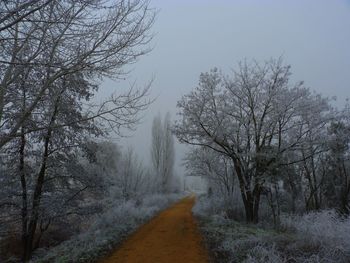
(324, 230)
(314, 237)
(107, 231)
(323, 227)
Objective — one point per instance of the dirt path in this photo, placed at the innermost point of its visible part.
(172, 236)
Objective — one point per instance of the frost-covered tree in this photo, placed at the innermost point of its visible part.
(43, 162)
(163, 151)
(255, 118)
(122, 173)
(308, 158)
(168, 152)
(52, 40)
(51, 55)
(337, 181)
(215, 167)
(131, 177)
(157, 139)
(16, 11)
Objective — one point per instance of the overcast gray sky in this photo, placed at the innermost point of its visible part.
(193, 36)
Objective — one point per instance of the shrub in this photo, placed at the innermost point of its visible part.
(314, 237)
(108, 230)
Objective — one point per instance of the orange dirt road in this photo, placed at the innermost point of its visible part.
(172, 236)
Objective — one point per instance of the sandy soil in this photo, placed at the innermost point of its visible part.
(172, 236)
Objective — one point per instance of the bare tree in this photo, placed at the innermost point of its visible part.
(337, 184)
(156, 150)
(14, 12)
(168, 152)
(131, 176)
(44, 154)
(57, 129)
(215, 167)
(51, 53)
(93, 37)
(254, 119)
(162, 151)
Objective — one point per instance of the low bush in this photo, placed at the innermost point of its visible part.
(314, 237)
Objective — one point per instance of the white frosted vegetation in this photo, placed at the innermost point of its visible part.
(314, 237)
(108, 230)
(324, 229)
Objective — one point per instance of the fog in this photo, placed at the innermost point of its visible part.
(194, 36)
(91, 168)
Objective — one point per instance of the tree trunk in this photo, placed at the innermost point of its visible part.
(251, 199)
(35, 206)
(24, 209)
(251, 205)
(38, 189)
(256, 204)
(272, 206)
(23, 180)
(248, 207)
(345, 192)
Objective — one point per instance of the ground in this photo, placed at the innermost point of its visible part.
(172, 236)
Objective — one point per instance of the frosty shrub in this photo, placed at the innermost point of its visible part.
(263, 254)
(325, 230)
(311, 238)
(108, 230)
(324, 227)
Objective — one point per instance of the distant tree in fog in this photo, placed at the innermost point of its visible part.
(157, 139)
(131, 175)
